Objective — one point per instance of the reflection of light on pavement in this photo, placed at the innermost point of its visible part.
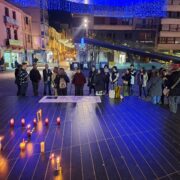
(40, 127)
(22, 154)
(3, 166)
(59, 176)
(30, 149)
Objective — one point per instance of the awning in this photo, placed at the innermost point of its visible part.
(142, 53)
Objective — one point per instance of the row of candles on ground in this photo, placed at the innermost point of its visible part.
(52, 157)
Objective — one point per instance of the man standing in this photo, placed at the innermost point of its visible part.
(173, 84)
(23, 78)
(35, 78)
(79, 80)
(47, 77)
(133, 75)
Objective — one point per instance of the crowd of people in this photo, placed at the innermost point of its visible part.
(153, 83)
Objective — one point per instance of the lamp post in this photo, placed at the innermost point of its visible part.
(85, 23)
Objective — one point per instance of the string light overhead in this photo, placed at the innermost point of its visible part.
(110, 8)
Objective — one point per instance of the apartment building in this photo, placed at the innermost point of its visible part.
(169, 36)
(13, 30)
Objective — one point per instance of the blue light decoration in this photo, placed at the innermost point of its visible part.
(108, 8)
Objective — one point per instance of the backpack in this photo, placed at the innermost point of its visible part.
(62, 83)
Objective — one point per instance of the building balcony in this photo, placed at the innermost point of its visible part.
(168, 47)
(146, 26)
(10, 21)
(169, 34)
(173, 8)
(14, 43)
(112, 27)
(170, 21)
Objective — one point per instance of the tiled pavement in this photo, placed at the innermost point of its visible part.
(111, 140)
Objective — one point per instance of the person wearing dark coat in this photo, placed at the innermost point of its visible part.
(107, 78)
(174, 93)
(155, 88)
(91, 78)
(100, 83)
(23, 77)
(17, 79)
(126, 77)
(62, 81)
(47, 77)
(35, 77)
(79, 80)
(114, 77)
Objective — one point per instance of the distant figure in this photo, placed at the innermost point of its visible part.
(173, 84)
(114, 77)
(17, 79)
(35, 78)
(126, 77)
(55, 83)
(23, 76)
(63, 81)
(155, 87)
(91, 80)
(2, 63)
(107, 78)
(47, 77)
(133, 77)
(35, 60)
(100, 83)
(79, 80)
(142, 78)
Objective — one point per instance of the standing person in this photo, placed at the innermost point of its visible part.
(173, 85)
(91, 82)
(107, 78)
(17, 79)
(47, 77)
(79, 80)
(55, 83)
(35, 78)
(165, 77)
(23, 77)
(63, 81)
(126, 77)
(114, 77)
(100, 83)
(155, 88)
(133, 75)
(142, 79)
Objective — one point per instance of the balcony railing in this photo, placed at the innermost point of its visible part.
(11, 21)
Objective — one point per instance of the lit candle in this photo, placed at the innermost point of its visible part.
(22, 145)
(42, 147)
(12, 122)
(46, 121)
(23, 122)
(35, 122)
(28, 126)
(58, 163)
(52, 156)
(29, 133)
(58, 121)
(0, 144)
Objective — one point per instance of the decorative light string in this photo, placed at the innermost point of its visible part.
(109, 8)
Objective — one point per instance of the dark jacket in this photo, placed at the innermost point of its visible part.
(79, 79)
(126, 78)
(47, 75)
(107, 77)
(155, 86)
(35, 75)
(171, 81)
(23, 77)
(91, 78)
(59, 77)
(100, 82)
(17, 77)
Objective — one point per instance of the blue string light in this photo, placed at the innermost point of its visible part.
(111, 8)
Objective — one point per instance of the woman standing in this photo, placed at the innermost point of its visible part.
(107, 78)
(100, 83)
(91, 79)
(155, 88)
(114, 77)
(126, 77)
(55, 80)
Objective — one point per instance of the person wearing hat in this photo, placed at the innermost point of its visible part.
(173, 86)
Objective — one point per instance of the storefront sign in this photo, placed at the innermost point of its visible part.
(13, 42)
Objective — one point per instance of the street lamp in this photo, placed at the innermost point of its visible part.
(85, 23)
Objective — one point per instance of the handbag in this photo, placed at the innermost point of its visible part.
(112, 94)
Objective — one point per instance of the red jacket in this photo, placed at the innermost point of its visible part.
(79, 79)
